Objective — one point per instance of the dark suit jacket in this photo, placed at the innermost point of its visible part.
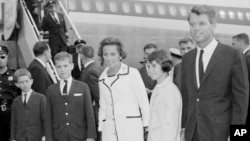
(148, 81)
(28, 122)
(90, 75)
(177, 81)
(40, 76)
(57, 36)
(70, 116)
(247, 56)
(222, 98)
(76, 72)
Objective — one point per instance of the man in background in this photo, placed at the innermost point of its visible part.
(148, 81)
(37, 68)
(78, 64)
(241, 42)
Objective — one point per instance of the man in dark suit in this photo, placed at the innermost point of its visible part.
(76, 72)
(90, 75)
(148, 81)
(241, 41)
(214, 79)
(37, 69)
(69, 113)
(28, 111)
(55, 24)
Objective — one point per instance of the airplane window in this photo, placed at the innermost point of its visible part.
(248, 15)
(222, 14)
(183, 11)
(126, 7)
(231, 15)
(138, 8)
(113, 6)
(161, 9)
(150, 9)
(86, 5)
(240, 15)
(99, 5)
(72, 4)
(172, 10)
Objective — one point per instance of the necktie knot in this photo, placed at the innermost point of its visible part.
(65, 87)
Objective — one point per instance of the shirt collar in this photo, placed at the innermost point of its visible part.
(28, 94)
(245, 51)
(210, 47)
(88, 63)
(39, 60)
(69, 80)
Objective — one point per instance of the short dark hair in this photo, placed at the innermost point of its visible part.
(186, 40)
(111, 41)
(163, 58)
(87, 51)
(40, 47)
(149, 46)
(204, 9)
(62, 56)
(242, 36)
(21, 72)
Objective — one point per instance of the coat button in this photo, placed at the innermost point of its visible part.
(66, 114)
(66, 103)
(197, 99)
(67, 124)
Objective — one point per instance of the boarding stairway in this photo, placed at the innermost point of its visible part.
(28, 35)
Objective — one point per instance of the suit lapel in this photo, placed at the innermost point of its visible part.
(193, 70)
(31, 99)
(212, 62)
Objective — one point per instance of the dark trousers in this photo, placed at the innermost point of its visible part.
(5, 125)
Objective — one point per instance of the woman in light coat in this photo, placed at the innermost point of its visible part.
(124, 106)
(166, 101)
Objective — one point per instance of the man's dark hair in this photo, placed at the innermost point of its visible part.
(149, 46)
(87, 51)
(186, 40)
(40, 47)
(242, 36)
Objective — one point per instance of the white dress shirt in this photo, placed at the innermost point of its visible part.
(62, 83)
(207, 54)
(27, 96)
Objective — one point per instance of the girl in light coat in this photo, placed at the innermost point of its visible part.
(166, 101)
(124, 105)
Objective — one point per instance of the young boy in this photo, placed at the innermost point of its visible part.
(69, 112)
(28, 111)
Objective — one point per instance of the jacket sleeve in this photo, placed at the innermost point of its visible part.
(240, 90)
(43, 109)
(48, 117)
(172, 113)
(89, 113)
(141, 95)
(39, 84)
(13, 121)
(92, 81)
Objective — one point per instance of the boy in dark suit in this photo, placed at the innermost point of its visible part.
(28, 111)
(69, 113)
(90, 75)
